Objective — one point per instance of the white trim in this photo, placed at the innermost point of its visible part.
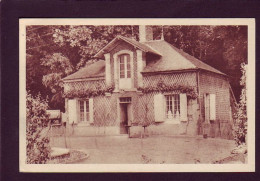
(102, 50)
(108, 69)
(91, 110)
(84, 79)
(140, 66)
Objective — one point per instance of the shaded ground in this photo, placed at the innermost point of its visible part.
(160, 149)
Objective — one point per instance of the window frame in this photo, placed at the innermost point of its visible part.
(172, 103)
(124, 66)
(86, 111)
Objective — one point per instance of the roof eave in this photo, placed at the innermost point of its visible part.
(84, 79)
(219, 73)
(170, 71)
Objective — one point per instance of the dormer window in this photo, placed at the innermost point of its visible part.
(125, 70)
(125, 67)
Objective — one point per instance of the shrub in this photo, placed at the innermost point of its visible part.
(37, 142)
(240, 116)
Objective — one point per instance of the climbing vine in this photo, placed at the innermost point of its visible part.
(162, 87)
(96, 91)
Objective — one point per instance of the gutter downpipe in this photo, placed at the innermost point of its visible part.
(199, 102)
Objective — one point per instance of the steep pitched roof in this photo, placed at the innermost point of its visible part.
(94, 70)
(141, 46)
(174, 59)
(170, 59)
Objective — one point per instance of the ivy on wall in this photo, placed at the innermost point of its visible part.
(162, 87)
(86, 92)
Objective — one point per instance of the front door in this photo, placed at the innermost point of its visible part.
(125, 114)
(123, 118)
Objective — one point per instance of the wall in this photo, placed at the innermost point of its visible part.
(106, 108)
(83, 85)
(216, 84)
(181, 79)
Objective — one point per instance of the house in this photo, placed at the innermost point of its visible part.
(149, 83)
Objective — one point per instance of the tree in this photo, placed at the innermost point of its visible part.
(73, 45)
(37, 141)
(58, 67)
(222, 47)
(240, 115)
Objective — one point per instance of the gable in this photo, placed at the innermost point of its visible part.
(132, 42)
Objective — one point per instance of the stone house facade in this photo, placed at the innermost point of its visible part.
(149, 83)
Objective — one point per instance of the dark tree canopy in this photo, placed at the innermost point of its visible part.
(53, 52)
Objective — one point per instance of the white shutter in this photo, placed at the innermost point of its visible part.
(91, 110)
(212, 106)
(206, 107)
(72, 111)
(159, 107)
(183, 107)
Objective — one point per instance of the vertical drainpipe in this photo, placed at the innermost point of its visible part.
(199, 102)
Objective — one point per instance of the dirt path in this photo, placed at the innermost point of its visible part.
(121, 149)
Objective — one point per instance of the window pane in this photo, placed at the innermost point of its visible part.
(122, 66)
(128, 74)
(128, 67)
(125, 99)
(169, 106)
(87, 105)
(176, 105)
(81, 107)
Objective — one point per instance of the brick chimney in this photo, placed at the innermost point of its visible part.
(145, 33)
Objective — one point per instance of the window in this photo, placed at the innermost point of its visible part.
(124, 65)
(125, 99)
(84, 110)
(173, 106)
(210, 107)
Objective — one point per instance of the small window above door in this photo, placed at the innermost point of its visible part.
(125, 99)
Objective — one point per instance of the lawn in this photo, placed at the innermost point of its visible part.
(159, 149)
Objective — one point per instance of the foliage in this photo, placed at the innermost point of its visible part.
(240, 116)
(89, 92)
(162, 87)
(223, 47)
(72, 45)
(37, 144)
(58, 67)
(90, 39)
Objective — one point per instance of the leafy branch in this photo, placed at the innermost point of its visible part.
(162, 87)
(96, 91)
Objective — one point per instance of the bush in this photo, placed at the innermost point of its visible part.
(37, 142)
(240, 116)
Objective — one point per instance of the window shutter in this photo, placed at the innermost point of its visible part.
(206, 107)
(183, 107)
(72, 111)
(159, 107)
(212, 106)
(91, 110)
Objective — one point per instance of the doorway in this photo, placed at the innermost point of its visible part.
(125, 114)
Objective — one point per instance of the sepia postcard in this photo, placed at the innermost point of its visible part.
(137, 95)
